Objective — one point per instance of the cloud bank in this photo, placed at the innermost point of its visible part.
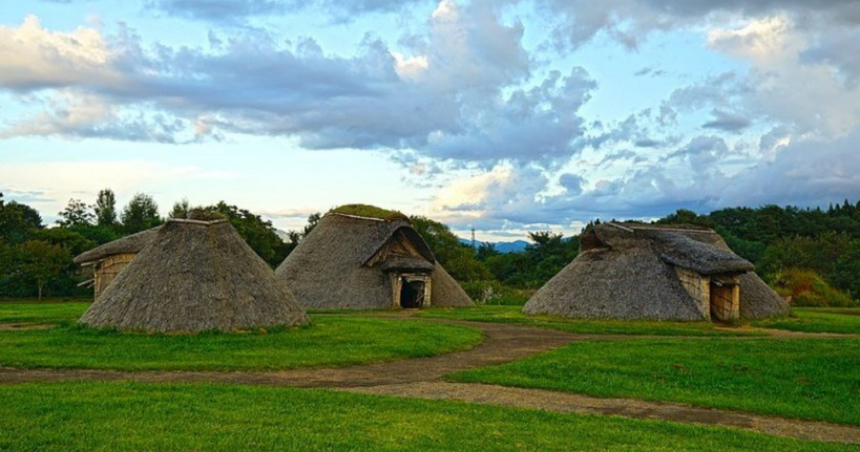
(463, 90)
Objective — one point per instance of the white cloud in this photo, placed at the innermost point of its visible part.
(464, 95)
(32, 57)
(462, 91)
(766, 40)
(57, 182)
(411, 68)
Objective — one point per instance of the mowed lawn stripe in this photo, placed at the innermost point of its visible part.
(815, 379)
(42, 312)
(513, 314)
(818, 320)
(331, 341)
(133, 417)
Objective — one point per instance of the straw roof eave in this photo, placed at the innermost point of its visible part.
(133, 243)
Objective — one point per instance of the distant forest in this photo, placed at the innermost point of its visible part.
(812, 255)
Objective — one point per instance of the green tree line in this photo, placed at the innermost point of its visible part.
(36, 260)
(790, 246)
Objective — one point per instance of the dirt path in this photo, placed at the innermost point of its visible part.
(421, 378)
(788, 334)
(575, 403)
(503, 343)
(25, 326)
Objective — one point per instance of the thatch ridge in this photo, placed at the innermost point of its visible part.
(195, 276)
(328, 269)
(133, 243)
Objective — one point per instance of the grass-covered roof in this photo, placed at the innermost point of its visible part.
(367, 211)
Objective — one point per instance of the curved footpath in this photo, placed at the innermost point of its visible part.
(422, 378)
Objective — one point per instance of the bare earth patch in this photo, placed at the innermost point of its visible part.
(573, 403)
(25, 326)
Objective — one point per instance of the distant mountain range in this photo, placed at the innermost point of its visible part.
(502, 247)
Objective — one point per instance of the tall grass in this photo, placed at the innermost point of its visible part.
(808, 288)
(496, 293)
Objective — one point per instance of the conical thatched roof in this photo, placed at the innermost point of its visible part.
(628, 271)
(195, 276)
(333, 268)
(129, 244)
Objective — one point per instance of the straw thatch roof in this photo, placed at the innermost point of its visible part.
(130, 244)
(692, 250)
(627, 271)
(195, 276)
(758, 300)
(334, 267)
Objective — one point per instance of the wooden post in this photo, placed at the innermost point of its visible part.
(736, 300)
(396, 286)
(428, 291)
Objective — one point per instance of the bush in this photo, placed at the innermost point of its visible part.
(807, 288)
(496, 293)
(847, 273)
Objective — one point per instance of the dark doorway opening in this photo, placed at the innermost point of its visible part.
(411, 294)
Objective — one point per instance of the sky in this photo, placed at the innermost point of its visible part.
(505, 116)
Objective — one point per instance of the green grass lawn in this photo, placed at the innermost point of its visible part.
(31, 312)
(329, 341)
(143, 417)
(512, 314)
(818, 320)
(815, 379)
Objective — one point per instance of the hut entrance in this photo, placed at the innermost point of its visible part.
(411, 293)
(725, 300)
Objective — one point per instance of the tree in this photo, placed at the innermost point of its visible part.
(819, 254)
(459, 259)
(485, 251)
(18, 222)
(105, 208)
(39, 262)
(686, 216)
(180, 209)
(70, 240)
(140, 214)
(76, 213)
(258, 233)
(313, 220)
(847, 273)
(296, 236)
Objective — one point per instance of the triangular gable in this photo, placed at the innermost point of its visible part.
(402, 242)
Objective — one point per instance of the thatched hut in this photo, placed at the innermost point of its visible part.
(631, 271)
(363, 262)
(108, 260)
(195, 275)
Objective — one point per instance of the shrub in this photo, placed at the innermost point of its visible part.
(807, 288)
(496, 293)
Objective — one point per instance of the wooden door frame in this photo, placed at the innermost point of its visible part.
(397, 287)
